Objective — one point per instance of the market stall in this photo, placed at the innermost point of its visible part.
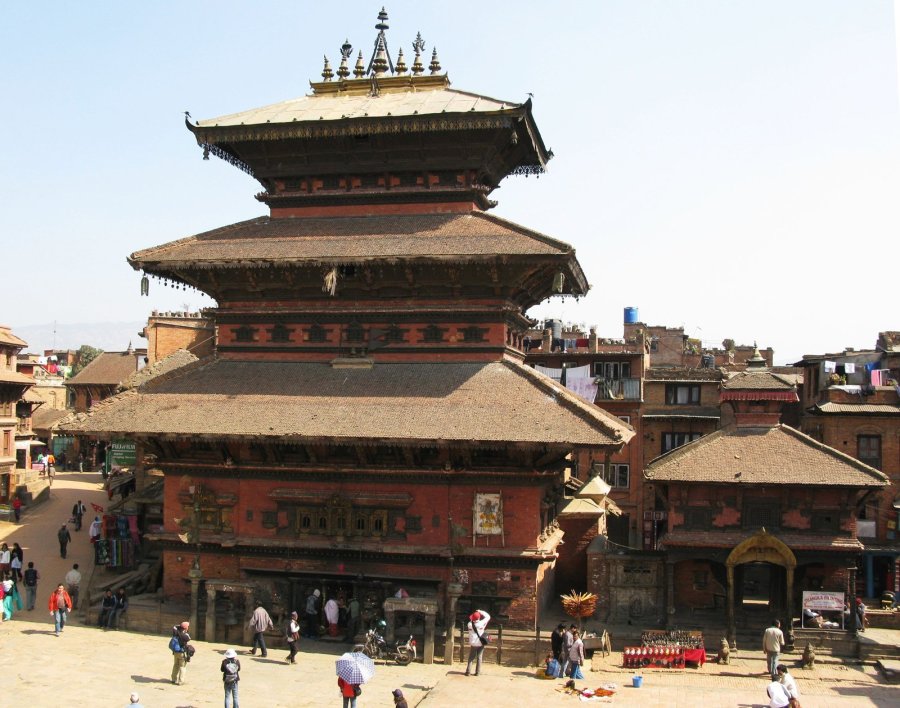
(666, 649)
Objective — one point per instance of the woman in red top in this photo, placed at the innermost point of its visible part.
(348, 691)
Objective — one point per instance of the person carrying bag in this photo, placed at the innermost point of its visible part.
(478, 640)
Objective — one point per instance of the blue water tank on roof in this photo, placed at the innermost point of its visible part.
(631, 315)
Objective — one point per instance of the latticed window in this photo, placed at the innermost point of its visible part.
(244, 334)
(395, 335)
(317, 334)
(432, 334)
(473, 334)
(280, 333)
(355, 333)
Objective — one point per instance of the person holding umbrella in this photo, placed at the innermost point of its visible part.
(353, 669)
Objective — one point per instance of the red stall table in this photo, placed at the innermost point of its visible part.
(695, 656)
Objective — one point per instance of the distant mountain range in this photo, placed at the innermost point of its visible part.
(108, 336)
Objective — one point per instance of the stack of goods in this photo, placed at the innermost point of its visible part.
(663, 657)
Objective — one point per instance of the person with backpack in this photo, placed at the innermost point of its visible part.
(231, 675)
(180, 647)
(478, 622)
(31, 580)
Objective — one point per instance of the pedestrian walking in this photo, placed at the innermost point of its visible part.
(94, 530)
(17, 508)
(773, 641)
(78, 511)
(73, 584)
(567, 641)
(312, 614)
(64, 537)
(478, 622)
(17, 558)
(292, 633)
(5, 561)
(259, 623)
(231, 675)
(349, 692)
(31, 577)
(60, 606)
(399, 700)
(179, 645)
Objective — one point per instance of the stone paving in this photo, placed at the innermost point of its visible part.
(87, 666)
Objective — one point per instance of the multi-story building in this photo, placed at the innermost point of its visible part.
(13, 388)
(367, 421)
(851, 402)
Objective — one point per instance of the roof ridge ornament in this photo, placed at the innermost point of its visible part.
(381, 58)
(359, 71)
(327, 73)
(343, 70)
(435, 64)
(418, 48)
(401, 63)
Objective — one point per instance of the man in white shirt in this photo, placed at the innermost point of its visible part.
(773, 640)
(73, 583)
(790, 685)
(478, 622)
(778, 695)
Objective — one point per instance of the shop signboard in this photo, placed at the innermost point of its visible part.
(120, 453)
(823, 601)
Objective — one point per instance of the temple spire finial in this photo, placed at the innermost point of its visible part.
(360, 69)
(435, 64)
(327, 73)
(400, 66)
(381, 58)
(343, 70)
(418, 48)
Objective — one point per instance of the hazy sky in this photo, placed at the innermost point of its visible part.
(732, 167)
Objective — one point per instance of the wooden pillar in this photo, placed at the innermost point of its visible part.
(454, 590)
(428, 649)
(790, 605)
(249, 607)
(389, 618)
(670, 593)
(195, 576)
(210, 633)
(732, 633)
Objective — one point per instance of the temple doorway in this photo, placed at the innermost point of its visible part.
(760, 588)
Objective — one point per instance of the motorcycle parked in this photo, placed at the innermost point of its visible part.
(376, 647)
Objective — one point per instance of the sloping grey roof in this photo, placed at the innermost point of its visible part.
(759, 381)
(472, 402)
(762, 455)
(340, 240)
(345, 106)
(107, 368)
(175, 360)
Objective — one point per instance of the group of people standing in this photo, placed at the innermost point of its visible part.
(567, 653)
(10, 576)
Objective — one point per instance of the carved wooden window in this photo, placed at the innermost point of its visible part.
(868, 449)
(318, 334)
(360, 524)
(758, 514)
(323, 524)
(395, 335)
(474, 334)
(698, 519)
(280, 333)
(356, 334)
(432, 334)
(826, 521)
(244, 334)
(379, 523)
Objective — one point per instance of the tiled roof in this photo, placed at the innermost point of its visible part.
(729, 539)
(857, 408)
(759, 381)
(345, 106)
(31, 397)
(488, 402)
(353, 239)
(683, 412)
(108, 368)
(7, 337)
(44, 418)
(762, 455)
(681, 373)
(175, 360)
(14, 377)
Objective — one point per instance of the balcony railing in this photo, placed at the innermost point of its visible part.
(619, 389)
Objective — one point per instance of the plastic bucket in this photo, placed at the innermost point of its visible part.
(637, 681)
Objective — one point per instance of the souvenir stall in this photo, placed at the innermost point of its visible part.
(118, 543)
(666, 649)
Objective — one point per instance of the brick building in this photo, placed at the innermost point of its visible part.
(367, 421)
(758, 511)
(850, 402)
(168, 332)
(13, 388)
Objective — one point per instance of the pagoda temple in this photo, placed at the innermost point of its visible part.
(366, 425)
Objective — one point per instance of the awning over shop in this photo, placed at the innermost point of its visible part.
(28, 444)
